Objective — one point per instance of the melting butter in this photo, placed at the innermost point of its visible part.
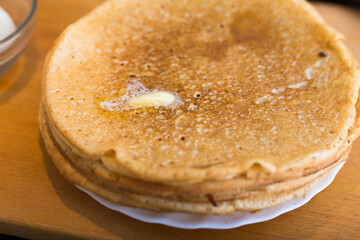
(154, 99)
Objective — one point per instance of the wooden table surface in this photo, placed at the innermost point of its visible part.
(36, 202)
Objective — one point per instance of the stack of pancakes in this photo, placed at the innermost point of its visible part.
(266, 103)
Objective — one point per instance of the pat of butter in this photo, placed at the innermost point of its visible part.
(155, 99)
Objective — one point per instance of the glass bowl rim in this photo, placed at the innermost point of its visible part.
(22, 25)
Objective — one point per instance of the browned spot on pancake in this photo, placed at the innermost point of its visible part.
(322, 54)
(215, 50)
(256, 211)
(210, 197)
(249, 27)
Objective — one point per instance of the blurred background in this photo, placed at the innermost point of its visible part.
(346, 2)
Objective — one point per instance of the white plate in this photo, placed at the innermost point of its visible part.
(194, 221)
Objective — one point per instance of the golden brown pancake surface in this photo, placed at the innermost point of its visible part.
(262, 84)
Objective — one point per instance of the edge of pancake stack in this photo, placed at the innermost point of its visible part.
(262, 103)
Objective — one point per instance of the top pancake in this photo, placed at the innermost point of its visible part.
(263, 84)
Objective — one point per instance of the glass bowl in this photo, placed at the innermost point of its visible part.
(17, 22)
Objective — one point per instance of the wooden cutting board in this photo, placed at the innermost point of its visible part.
(36, 202)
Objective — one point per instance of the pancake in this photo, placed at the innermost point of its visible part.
(268, 196)
(263, 100)
(235, 187)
